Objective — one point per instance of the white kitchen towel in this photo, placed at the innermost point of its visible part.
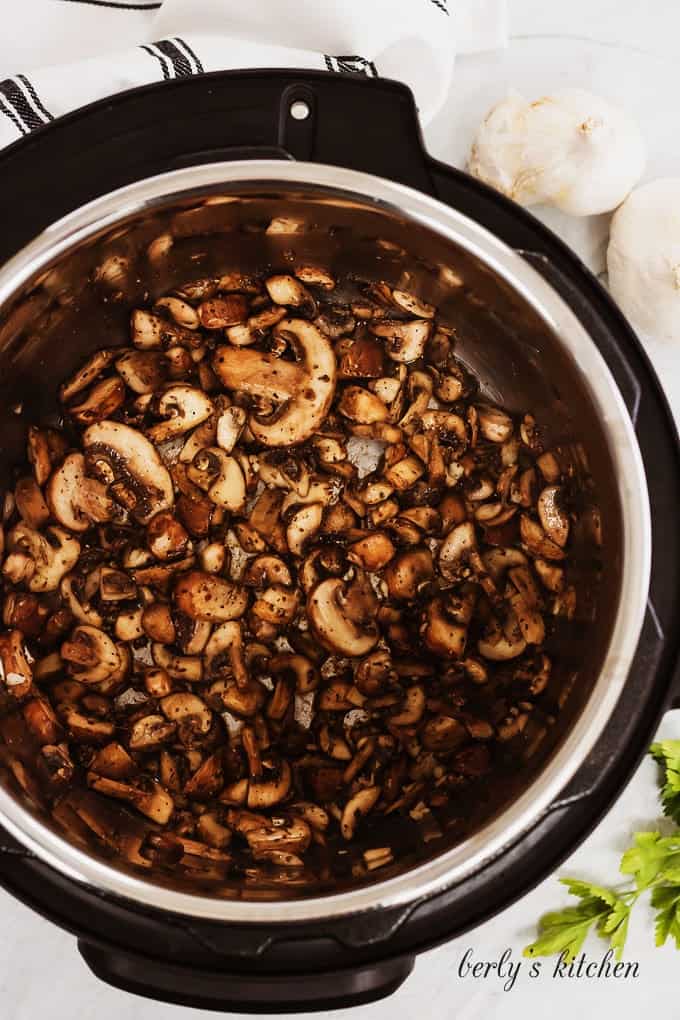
(57, 55)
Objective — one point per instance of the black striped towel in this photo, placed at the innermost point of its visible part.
(56, 55)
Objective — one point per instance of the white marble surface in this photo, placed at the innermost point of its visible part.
(627, 51)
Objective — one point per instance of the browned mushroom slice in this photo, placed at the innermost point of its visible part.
(16, 673)
(271, 787)
(225, 649)
(221, 476)
(412, 304)
(363, 358)
(494, 424)
(286, 290)
(92, 368)
(25, 612)
(362, 406)
(165, 536)
(499, 646)
(355, 809)
(408, 572)
(405, 473)
(120, 454)
(553, 517)
(45, 448)
(113, 761)
(115, 585)
(30, 502)
(302, 415)
(150, 331)
(150, 732)
(180, 311)
(230, 425)
(143, 371)
(258, 374)
(203, 596)
(53, 554)
(102, 401)
(190, 712)
(157, 623)
(443, 734)
(76, 500)
(332, 624)
(440, 633)
(372, 552)
(455, 548)
(264, 570)
(223, 312)
(405, 340)
(91, 654)
(536, 542)
(155, 802)
(183, 407)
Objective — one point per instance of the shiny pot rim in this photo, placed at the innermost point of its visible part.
(453, 865)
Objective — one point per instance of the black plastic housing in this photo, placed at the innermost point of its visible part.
(372, 126)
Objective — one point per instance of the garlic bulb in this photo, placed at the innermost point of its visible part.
(572, 150)
(643, 258)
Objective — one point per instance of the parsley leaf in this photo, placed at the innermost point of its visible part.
(667, 754)
(564, 931)
(652, 862)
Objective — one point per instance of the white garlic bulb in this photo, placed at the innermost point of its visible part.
(571, 150)
(643, 258)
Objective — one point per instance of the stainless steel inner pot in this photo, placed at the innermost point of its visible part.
(515, 333)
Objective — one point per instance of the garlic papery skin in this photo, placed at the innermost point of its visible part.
(643, 259)
(572, 150)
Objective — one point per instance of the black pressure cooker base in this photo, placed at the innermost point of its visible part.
(368, 125)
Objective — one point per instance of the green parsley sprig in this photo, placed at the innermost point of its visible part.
(652, 864)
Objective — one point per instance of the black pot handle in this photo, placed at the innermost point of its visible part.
(245, 993)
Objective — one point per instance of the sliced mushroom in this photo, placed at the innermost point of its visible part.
(91, 654)
(156, 803)
(86, 375)
(203, 596)
(271, 787)
(124, 456)
(223, 478)
(331, 623)
(230, 425)
(441, 634)
(16, 673)
(311, 385)
(157, 623)
(76, 500)
(178, 667)
(373, 552)
(143, 371)
(166, 538)
(302, 526)
(183, 407)
(457, 544)
(552, 516)
(53, 554)
(494, 424)
(498, 647)
(188, 710)
(537, 543)
(360, 405)
(412, 304)
(225, 648)
(405, 340)
(356, 808)
(102, 401)
(286, 290)
(408, 572)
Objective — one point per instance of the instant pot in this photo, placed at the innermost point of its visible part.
(198, 160)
